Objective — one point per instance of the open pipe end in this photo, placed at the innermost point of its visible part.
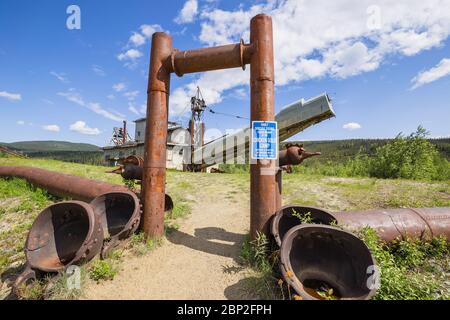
(119, 213)
(64, 233)
(168, 204)
(291, 216)
(325, 263)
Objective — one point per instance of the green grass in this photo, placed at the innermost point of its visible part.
(20, 203)
(141, 246)
(258, 256)
(82, 170)
(411, 269)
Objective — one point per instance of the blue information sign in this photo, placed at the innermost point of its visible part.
(264, 140)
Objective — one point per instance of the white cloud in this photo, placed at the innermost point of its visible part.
(10, 96)
(240, 93)
(75, 97)
(130, 54)
(81, 127)
(188, 13)
(212, 85)
(347, 39)
(98, 70)
(441, 70)
(352, 126)
(147, 30)
(60, 76)
(144, 108)
(137, 39)
(132, 108)
(20, 122)
(51, 127)
(119, 86)
(112, 115)
(131, 95)
(47, 101)
(111, 96)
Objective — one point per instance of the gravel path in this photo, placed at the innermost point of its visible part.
(198, 261)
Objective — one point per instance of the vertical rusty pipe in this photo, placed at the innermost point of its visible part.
(279, 188)
(192, 132)
(202, 141)
(154, 173)
(124, 138)
(262, 173)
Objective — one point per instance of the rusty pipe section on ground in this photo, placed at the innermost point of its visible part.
(326, 263)
(60, 184)
(73, 232)
(390, 224)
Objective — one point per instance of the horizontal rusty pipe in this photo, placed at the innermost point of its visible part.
(65, 185)
(129, 171)
(207, 59)
(390, 224)
(294, 154)
(62, 185)
(136, 160)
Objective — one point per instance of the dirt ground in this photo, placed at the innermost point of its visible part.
(197, 261)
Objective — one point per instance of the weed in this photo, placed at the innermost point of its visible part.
(130, 184)
(184, 185)
(180, 210)
(304, 218)
(141, 246)
(255, 254)
(102, 270)
(59, 289)
(33, 291)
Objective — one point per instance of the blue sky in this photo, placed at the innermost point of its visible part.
(61, 84)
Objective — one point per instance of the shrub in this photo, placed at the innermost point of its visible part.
(411, 157)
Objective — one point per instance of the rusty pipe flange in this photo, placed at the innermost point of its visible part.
(317, 258)
(136, 160)
(63, 234)
(291, 155)
(119, 213)
(289, 216)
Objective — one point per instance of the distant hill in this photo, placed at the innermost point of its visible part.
(28, 147)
